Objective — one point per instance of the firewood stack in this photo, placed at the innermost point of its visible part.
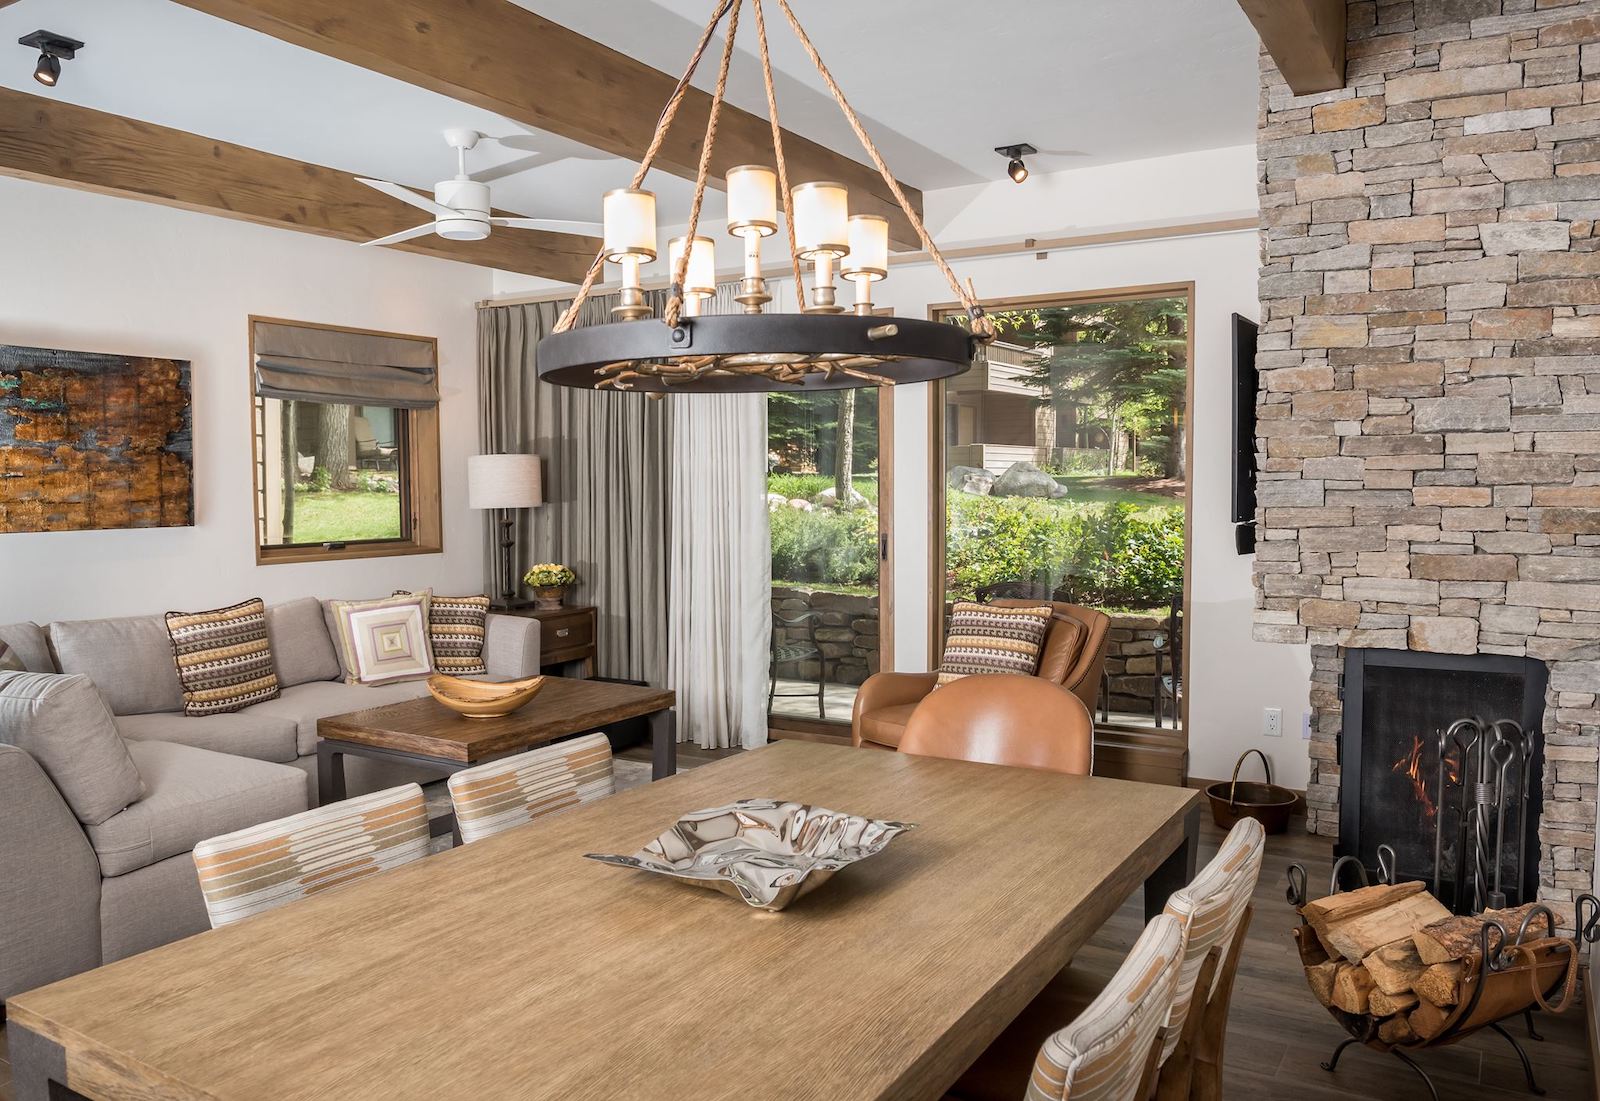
(1397, 955)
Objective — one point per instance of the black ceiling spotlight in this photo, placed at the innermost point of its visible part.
(1014, 154)
(53, 49)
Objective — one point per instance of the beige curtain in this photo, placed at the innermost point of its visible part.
(605, 483)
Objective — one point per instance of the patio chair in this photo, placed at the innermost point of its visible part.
(369, 452)
(1168, 687)
(787, 650)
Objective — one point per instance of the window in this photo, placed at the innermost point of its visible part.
(1065, 470)
(345, 443)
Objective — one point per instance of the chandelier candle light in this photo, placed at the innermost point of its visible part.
(824, 346)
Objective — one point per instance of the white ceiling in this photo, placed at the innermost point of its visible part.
(1087, 81)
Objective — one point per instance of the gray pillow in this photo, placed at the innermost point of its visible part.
(64, 725)
(29, 644)
(130, 661)
(301, 648)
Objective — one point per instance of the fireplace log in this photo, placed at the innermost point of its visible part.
(1387, 1005)
(1428, 1020)
(1320, 978)
(1396, 1030)
(1395, 967)
(1323, 913)
(1354, 937)
(1352, 988)
(1454, 938)
(1440, 984)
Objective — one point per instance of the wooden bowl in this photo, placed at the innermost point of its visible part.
(477, 699)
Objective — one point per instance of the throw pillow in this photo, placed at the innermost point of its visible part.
(10, 660)
(65, 725)
(224, 658)
(383, 641)
(456, 627)
(987, 639)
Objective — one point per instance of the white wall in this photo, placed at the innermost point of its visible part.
(93, 273)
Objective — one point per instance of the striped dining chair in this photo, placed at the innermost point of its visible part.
(1213, 911)
(516, 790)
(1108, 1053)
(256, 869)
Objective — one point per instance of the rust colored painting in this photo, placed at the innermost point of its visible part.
(94, 441)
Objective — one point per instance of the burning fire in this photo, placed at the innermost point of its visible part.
(1410, 766)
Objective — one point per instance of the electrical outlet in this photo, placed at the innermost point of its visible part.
(1272, 722)
(1305, 726)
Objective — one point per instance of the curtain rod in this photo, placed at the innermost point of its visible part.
(970, 252)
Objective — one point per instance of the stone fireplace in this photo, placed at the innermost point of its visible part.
(1429, 414)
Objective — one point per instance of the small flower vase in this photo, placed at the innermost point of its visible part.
(549, 597)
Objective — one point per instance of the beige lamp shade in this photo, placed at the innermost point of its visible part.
(629, 215)
(752, 200)
(821, 213)
(504, 481)
(700, 280)
(869, 248)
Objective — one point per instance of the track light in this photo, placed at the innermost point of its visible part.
(53, 49)
(1014, 154)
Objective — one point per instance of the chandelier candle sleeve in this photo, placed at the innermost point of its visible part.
(868, 259)
(821, 216)
(629, 215)
(752, 215)
(700, 278)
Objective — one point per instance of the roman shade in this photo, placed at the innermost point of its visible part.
(335, 367)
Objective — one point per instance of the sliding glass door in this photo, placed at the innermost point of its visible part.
(822, 494)
(1065, 474)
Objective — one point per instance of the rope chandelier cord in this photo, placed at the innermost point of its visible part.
(819, 348)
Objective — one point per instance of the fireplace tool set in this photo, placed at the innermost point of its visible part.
(1506, 967)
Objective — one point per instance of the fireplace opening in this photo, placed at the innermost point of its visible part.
(1472, 826)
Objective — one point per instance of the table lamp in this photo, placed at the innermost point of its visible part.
(505, 482)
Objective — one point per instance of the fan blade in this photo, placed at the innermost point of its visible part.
(404, 235)
(406, 195)
(511, 168)
(554, 225)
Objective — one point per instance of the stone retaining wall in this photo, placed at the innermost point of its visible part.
(1131, 660)
(846, 632)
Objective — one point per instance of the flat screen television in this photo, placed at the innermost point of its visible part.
(1244, 431)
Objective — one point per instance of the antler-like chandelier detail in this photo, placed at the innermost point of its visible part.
(822, 347)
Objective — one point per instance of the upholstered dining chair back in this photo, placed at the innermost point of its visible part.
(516, 790)
(1211, 908)
(256, 869)
(1108, 1052)
(1000, 719)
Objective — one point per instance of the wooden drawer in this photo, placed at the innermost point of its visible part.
(566, 631)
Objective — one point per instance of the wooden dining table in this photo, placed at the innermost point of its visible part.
(515, 968)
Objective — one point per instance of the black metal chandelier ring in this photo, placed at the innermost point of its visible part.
(725, 353)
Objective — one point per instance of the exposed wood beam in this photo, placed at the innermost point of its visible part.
(501, 57)
(54, 142)
(1305, 39)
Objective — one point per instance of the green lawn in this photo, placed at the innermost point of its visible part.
(1092, 494)
(331, 517)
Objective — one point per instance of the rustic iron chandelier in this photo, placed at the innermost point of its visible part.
(822, 347)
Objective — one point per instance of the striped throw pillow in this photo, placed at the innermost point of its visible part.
(224, 658)
(456, 627)
(987, 639)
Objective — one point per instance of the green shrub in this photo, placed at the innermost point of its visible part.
(825, 546)
(321, 480)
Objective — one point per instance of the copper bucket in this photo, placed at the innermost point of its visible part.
(1267, 803)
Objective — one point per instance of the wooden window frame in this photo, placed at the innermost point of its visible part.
(939, 490)
(420, 478)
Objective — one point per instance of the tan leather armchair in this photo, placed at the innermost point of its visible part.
(1073, 656)
(1025, 722)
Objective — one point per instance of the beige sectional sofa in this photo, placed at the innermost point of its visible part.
(76, 893)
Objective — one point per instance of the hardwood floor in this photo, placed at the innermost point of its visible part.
(1277, 1033)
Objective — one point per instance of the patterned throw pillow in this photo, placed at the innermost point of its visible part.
(987, 639)
(383, 641)
(224, 658)
(455, 632)
(10, 660)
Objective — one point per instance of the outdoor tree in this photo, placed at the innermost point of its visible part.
(335, 446)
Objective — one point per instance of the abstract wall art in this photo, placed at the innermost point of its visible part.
(94, 441)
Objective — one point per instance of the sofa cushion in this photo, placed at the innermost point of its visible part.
(302, 649)
(63, 723)
(382, 641)
(10, 660)
(224, 658)
(129, 660)
(243, 733)
(306, 703)
(192, 794)
(29, 642)
(886, 725)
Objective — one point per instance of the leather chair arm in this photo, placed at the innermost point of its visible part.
(888, 690)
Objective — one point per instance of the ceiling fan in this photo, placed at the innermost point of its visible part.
(460, 206)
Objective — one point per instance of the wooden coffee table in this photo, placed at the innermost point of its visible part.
(425, 733)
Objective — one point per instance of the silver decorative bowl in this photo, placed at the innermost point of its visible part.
(764, 851)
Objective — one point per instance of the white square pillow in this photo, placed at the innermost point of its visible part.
(383, 641)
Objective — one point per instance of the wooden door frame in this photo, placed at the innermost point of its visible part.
(938, 488)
